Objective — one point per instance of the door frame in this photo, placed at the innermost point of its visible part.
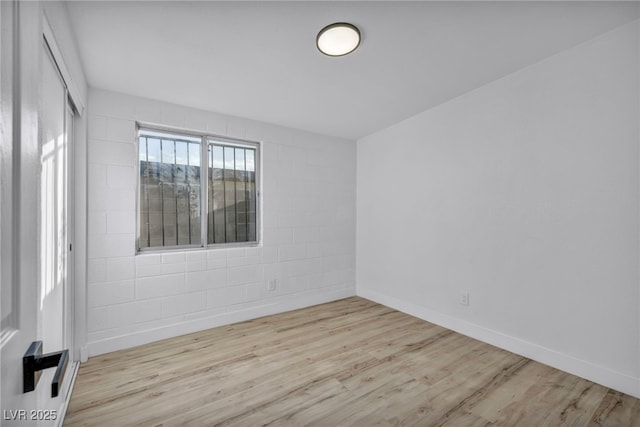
(69, 298)
(77, 332)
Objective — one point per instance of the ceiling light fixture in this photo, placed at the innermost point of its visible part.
(338, 39)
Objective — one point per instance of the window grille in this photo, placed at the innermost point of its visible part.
(170, 191)
(232, 191)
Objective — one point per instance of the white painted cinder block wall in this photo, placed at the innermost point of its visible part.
(308, 225)
(524, 193)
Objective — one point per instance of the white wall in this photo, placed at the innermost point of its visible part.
(308, 229)
(524, 193)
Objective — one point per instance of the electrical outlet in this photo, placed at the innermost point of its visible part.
(272, 285)
(464, 298)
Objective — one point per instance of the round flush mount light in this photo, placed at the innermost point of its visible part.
(338, 39)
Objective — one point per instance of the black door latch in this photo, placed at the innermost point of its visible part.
(33, 362)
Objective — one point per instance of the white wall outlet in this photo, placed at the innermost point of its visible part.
(464, 298)
(272, 285)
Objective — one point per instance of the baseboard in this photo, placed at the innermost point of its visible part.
(587, 370)
(267, 308)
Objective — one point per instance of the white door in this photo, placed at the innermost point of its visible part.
(18, 275)
(34, 201)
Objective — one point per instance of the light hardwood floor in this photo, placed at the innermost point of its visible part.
(346, 363)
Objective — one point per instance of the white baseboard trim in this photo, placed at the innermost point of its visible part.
(267, 308)
(584, 369)
(84, 354)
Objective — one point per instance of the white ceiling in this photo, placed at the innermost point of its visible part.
(258, 59)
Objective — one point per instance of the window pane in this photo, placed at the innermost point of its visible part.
(153, 150)
(193, 190)
(241, 203)
(216, 218)
(250, 158)
(251, 196)
(217, 157)
(181, 153)
(232, 194)
(229, 194)
(193, 154)
(229, 158)
(240, 159)
(169, 190)
(168, 151)
(142, 149)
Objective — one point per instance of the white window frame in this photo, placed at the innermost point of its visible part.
(205, 140)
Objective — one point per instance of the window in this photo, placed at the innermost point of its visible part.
(196, 191)
(231, 193)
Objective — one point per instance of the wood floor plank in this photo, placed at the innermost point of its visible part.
(347, 363)
(617, 409)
